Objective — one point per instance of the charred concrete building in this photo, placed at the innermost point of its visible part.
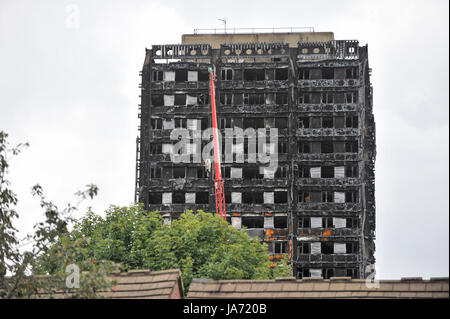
(318, 206)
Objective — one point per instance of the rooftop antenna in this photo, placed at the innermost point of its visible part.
(224, 20)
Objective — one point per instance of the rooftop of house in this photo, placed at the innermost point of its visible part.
(146, 284)
(335, 287)
(135, 284)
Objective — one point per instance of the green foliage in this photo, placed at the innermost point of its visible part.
(200, 244)
(19, 269)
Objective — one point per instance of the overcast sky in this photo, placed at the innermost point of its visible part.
(69, 76)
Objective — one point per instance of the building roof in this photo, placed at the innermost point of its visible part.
(146, 284)
(135, 284)
(291, 38)
(336, 287)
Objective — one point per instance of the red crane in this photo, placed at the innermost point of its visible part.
(218, 184)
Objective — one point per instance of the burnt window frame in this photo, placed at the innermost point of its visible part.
(179, 172)
(202, 198)
(327, 73)
(351, 171)
(327, 222)
(304, 172)
(352, 196)
(180, 99)
(304, 248)
(180, 122)
(327, 171)
(301, 120)
(156, 124)
(326, 147)
(303, 147)
(352, 222)
(304, 98)
(203, 75)
(281, 98)
(352, 73)
(351, 146)
(280, 197)
(281, 172)
(178, 197)
(327, 247)
(281, 74)
(304, 197)
(157, 75)
(201, 172)
(283, 147)
(327, 97)
(181, 75)
(282, 245)
(304, 222)
(259, 219)
(303, 74)
(155, 149)
(253, 99)
(226, 74)
(155, 198)
(156, 172)
(253, 74)
(157, 100)
(226, 98)
(327, 197)
(325, 120)
(352, 247)
(351, 121)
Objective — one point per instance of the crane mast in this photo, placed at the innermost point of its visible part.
(218, 183)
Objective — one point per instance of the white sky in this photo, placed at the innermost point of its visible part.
(73, 94)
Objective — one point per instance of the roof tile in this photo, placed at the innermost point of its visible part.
(289, 286)
(359, 293)
(386, 286)
(244, 286)
(321, 286)
(440, 294)
(435, 286)
(307, 286)
(405, 294)
(337, 286)
(228, 287)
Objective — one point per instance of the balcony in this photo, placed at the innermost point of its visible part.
(252, 109)
(303, 182)
(314, 234)
(181, 110)
(320, 83)
(327, 258)
(179, 208)
(262, 183)
(171, 85)
(344, 107)
(331, 207)
(325, 132)
(327, 157)
(256, 208)
(175, 183)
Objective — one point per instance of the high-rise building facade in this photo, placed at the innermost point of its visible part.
(306, 98)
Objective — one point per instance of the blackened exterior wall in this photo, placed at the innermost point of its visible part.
(319, 205)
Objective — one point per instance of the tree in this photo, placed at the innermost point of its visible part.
(18, 268)
(200, 244)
